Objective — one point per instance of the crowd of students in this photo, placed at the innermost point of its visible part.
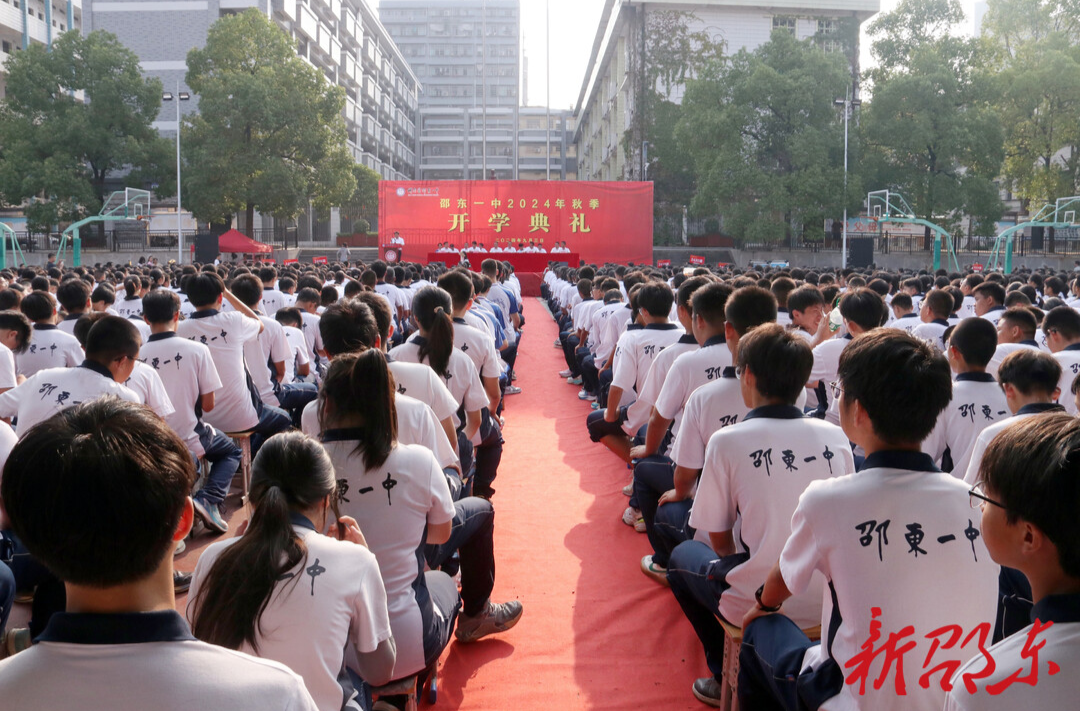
(850, 470)
(372, 397)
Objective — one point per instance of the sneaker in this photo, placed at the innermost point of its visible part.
(631, 515)
(495, 618)
(566, 373)
(179, 548)
(708, 691)
(582, 395)
(210, 515)
(654, 571)
(512, 390)
(576, 380)
(15, 641)
(558, 343)
(596, 406)
(181, 581)
(628, 490)
(639, 525)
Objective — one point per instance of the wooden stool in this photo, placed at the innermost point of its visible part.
(411, 687)
(243, 441)
(729, 680)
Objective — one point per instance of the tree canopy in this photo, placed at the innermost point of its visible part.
(72, 116)
(269, 134)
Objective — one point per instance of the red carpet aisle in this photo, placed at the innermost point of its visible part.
(596, 634)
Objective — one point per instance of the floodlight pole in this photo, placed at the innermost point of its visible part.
(179, 220)
(847, 102)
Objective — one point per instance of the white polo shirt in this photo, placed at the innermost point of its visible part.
(753, 476)
(417, 424)
(826, 370)
(144, 660)
(901, 537)
(1057, 642)
(269, 347)
(689, 372)
(971, 477)
(49, 348)
(332, 599)
(907, 322)
(225, 334)
(1069, 359)
(1003, 350)
(640, 411)
(932, 332)
(977, 402)
(421, 382)
(310, 328)
(67, 324)
(394, 504)
(7, 368)
(596, 327)
(479, 346)
(187, 372)
(461, 377)
(145, 382)
(47, 392)
(994, 313)
(298, 356)
(635, 353)
(611, 329)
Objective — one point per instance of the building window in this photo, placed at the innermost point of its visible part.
(828, 32)
(784, 23)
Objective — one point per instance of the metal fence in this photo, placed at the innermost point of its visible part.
(1063, 242)
(135, 241)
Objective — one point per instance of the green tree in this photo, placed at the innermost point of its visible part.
(930, 131)
(269, 134)
(72, 117)
(766, 141)
(364, 203)
(1035, 51)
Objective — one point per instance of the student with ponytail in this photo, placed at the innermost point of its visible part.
(284, 591)
(400, 497)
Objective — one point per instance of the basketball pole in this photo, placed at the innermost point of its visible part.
(179, 218)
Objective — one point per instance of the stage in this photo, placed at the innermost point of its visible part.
(528, 266)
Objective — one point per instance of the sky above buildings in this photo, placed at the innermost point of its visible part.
(573, 28)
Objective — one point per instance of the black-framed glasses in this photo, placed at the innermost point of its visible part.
(836, 388)
(976, 497)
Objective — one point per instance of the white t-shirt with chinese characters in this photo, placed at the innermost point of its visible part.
(225, 335)
(688, 373)
(1003, 350)
(977, 402)
(394, 504)
(416, 423)
(7, 368)
(640, 411)
(611, 329)
(49, 348)
(971, 477)
(272, 300)
(269, 347)
(994, 314)
(143, 660)
(479, 346)
(899, 538)
(141, 326)
(298, 356)
(67, 324)
(331, 600)
(907, 322)
(1069, 360)
(967, 308)
(1029, 653)
(145, 382)
(461, 377)
(187, 372)
(310, 328)
(711, 407)
(753, 476)
(48, 392)
(126, 308)
(595, 326)
(635, 353)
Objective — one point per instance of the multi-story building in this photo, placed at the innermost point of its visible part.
(26, 22)
(606, 104)
(342, 38)
(467, 56)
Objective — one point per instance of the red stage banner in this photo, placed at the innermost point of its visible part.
(602, 221)
(694, 259)
(290, 261)
(663, 263)
(318, 260)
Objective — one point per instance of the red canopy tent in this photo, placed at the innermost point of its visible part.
(236, 241)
